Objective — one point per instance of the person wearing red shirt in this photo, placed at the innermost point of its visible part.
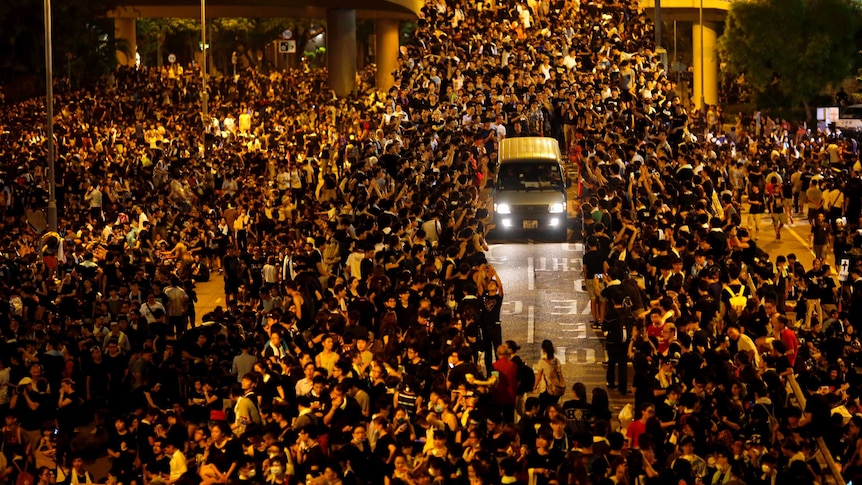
(638, 426)
(656, 328)
(506, 390)
(781, 332)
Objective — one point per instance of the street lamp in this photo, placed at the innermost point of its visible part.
(204, 95)
(702, 62)
(49, 120)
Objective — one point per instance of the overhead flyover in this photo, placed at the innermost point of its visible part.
(341, 18)
(704, 16)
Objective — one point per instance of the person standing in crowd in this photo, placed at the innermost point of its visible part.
(310, 255)
(177, 307)
(548, 376)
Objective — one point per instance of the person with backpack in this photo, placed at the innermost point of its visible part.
(549, 377)
(734, 296)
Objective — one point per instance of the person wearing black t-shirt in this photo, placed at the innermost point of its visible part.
(756, 209)
(122, 449)
(158, 466)
(492, 303)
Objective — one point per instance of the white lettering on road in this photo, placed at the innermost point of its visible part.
(560, 264)
(531, 274)
(568, 307)
(579, 285)
(512, 307)
(577, 247)
(561, 355)
(531, 324)
(578, 329)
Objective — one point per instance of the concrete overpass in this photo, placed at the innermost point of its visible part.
(340, 15)
(704, 15)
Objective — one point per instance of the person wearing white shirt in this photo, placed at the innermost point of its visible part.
(304, 385)
(570, 61)
(499, 127)
(178, 462)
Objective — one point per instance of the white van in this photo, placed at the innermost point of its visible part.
(850, 119)
(530, 190)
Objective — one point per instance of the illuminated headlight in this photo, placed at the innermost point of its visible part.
(557, 208)
(554, 222)
(507, 222)
(502, 209)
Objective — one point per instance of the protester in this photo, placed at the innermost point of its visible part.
(360, 339)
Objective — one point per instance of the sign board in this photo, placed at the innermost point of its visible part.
(287, 47)
(844, 269)
(172, 58)
(828, 114)
(287, 34)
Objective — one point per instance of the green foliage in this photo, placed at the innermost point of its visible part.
(82, 40)
(790, 50)
(154, 35)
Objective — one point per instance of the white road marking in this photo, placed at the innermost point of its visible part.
(569, 307)
(579, 247)
(517, 308)
(543, 264)
(561, 355)
(803, 242)
(531, 274)
(579, 330)
(560, 264)
(531, 324)
(590, 358)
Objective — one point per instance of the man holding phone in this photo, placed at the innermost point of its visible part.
(594, 269)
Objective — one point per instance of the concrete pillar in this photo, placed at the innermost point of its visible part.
(341, 50)
(705, 63)
(386, 50)
(124, 29)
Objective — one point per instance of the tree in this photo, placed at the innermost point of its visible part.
(153, 33)
(82, 40)
(790, 50)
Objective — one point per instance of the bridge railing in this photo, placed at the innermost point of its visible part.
(831, 464)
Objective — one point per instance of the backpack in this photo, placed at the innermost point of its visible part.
(24, 477)
(738, 302)
(555, 383)
(526, 378)
(771, 420)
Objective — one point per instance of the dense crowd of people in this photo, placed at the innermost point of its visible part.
(361, 340)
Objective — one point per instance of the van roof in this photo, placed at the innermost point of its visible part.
(531, 148)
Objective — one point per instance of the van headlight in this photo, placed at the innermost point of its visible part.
(557, 208)
(502, 209)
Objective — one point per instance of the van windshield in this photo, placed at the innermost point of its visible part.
(852, 113)
(530, 176)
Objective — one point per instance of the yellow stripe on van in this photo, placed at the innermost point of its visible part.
(533, 148)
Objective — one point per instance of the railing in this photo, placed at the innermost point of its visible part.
(833, 466)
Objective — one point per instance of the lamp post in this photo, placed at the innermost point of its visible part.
(49, 120)
(204, 95)
(702, 62)
(657, 24)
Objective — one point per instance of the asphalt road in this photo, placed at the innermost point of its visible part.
(543, 299)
